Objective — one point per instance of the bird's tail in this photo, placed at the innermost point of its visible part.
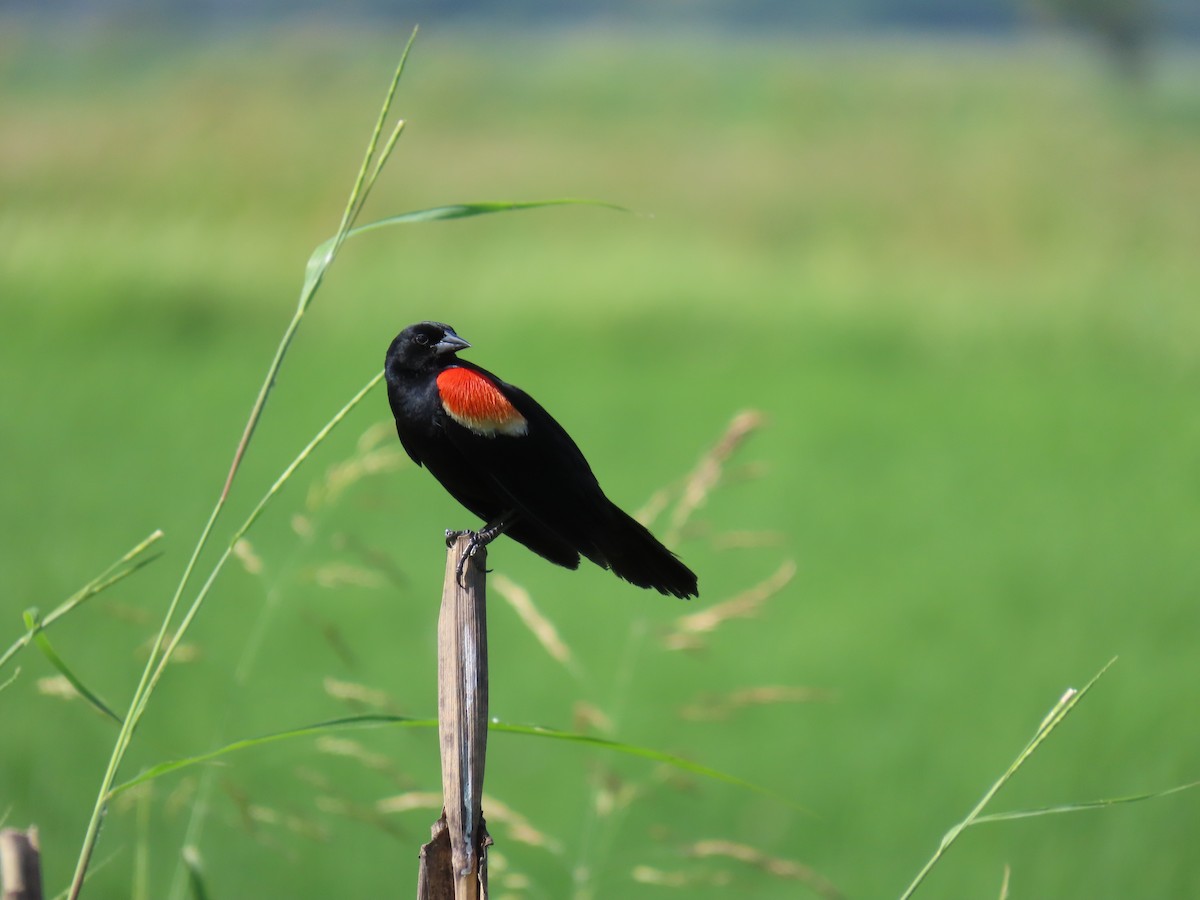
(634, 554)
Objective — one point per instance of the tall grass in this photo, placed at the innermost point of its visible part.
(166, 643)
(174, 627)
(958, 283)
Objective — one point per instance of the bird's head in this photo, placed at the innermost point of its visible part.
(423, 347)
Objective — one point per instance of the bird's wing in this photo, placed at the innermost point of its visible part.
(506, 435)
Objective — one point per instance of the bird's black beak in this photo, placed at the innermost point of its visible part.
(450, 343)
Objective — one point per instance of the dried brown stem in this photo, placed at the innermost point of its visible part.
(20, 864)
(454, 862)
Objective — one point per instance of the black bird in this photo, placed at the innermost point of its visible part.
(504, 458)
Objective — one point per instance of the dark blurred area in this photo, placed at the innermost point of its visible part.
(1127, 31)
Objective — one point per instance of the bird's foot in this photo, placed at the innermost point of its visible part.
(453, 535)
(479, 539)
(473, 546)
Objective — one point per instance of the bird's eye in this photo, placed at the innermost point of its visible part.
(421, 339)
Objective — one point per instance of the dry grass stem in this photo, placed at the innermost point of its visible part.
(20, 864)
(744, 540)
(369, 459)
(661, 878)
(587, 717)
(183, 653)
(654, 507)
(517, 827)
(539, 626)
(251, 561)
(407, 802)
(462, 729)
(298, 825)
(335, 746)
(687, 630)
(57, 686)
(613, 795)
(779, 868)
(359, 694)
(707, 473)
(339, 575)
(715, 707)
(303, 526)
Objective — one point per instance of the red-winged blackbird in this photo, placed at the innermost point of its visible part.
(505, 459)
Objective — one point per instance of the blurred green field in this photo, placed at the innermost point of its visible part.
(959, 279)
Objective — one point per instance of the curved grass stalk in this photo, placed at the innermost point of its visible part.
(237, 535)
(1053, 719)
(223, 559)
(160, 654)
(318, 263)
(383, 721)
(36, 628)
(129, 563)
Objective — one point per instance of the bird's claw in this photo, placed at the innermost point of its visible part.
(479, 539)
(469, 553)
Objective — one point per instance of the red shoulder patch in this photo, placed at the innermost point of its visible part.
(475, 403)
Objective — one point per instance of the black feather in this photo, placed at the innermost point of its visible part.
(537, 478)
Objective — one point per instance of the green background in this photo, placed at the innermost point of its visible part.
(959, 279)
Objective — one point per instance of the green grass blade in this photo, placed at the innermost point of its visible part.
(318, 264)
(43, 644)
(122, 568)
(1053, 719)
(162, 650)
(319, 728)
(140, 888)
(218, 567)
(241, 531)
(363, 184)
(470, 210)
(677, 762)
(444, 214)
(1083, 807)
(99, 866)
(322, 258)
(382, 721)
(390, 145)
